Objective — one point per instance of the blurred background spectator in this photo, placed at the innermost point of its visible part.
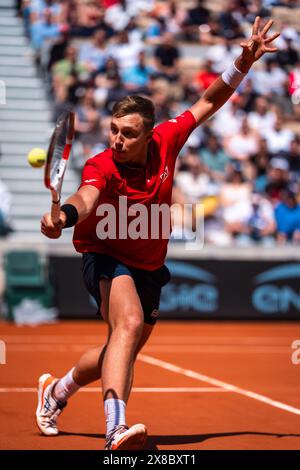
(5, 205)
(243, 165)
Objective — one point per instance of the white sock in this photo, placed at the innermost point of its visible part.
(114, 411)
(65, 387)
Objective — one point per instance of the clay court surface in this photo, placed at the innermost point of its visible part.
(197, 386)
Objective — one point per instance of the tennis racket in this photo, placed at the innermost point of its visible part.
(57, 158)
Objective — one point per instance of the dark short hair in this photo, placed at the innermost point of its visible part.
(136, 104)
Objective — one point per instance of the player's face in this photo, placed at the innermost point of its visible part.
(129, 138)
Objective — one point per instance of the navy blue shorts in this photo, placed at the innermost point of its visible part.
(96, 266)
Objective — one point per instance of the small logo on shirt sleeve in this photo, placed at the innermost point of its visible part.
(165, 174)
(89, 181)
(173, 120)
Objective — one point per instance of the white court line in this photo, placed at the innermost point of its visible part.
(217, 383)
(135, 389)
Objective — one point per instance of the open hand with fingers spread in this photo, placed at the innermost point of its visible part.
(258, 44)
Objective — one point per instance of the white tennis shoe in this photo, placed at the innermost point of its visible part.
(48, 409)
(124, 438)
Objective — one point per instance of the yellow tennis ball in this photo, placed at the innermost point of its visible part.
(36, 157)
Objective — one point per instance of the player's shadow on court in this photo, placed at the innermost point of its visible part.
(154, 441)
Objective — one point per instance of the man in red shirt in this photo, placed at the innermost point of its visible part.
(123, 266)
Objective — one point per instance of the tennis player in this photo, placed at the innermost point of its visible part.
(125, 274)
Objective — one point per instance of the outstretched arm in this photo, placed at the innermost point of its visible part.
(223, 87)
(83, 202)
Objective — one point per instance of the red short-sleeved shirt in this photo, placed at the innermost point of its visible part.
(148, 185)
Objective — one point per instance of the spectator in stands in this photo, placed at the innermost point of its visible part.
(192, 179)
(228, 120)
(93, 54)
(260, 226)
(247, 95)
(287, 215)
(294, 89)
(260, 164)
(278, 138)
(43, 29)
(167, 56)
(278, 178)
(244, 144)
(256, 8)
(293, 157)
(160, 95)
(206, 76)
(262, 117)
(63, 69)
(235, 200)
(126, 53)
(270, 79)
(109, 86)
(5, 204)
(196, 14)
(231, 20)
(136, 78)
(288, 56)
(214, 158)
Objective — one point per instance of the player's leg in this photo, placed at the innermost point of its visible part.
(126, 320)
(88, 368)
(53, 393)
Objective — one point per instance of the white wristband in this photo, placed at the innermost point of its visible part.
(232, 76)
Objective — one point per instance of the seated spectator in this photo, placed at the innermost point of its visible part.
(242, 145)
(43, 29)
(293, 157)
(248, 95)
(260, 164)
(109, 86)
(231, 20)
(192, 179)
(270, 79)
(235, 200)
(126, 53)
(278, 138)
(86, 112)
(261, 222)
(63, 69)
(227, 121)
(154, 30)
(262, 118)
(167, 57)
(195, 15)
(162, 101)
(256, 8)
(93, 54)
(278, 178)
(288, 56)
(287, 214)
(294, 89)
(87, 125)
(214, 158)
(136, 78)
(5, 204)
(206, 76)
(211, 33)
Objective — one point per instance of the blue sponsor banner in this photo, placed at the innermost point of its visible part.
(200, 289)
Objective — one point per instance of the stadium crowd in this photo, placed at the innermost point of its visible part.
(243, 165)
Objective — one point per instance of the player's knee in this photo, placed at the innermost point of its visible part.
(132, 324)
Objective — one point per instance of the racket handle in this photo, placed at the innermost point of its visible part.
(55, 212)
